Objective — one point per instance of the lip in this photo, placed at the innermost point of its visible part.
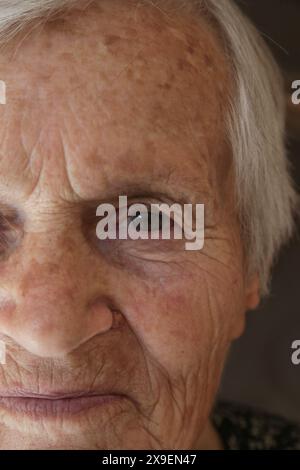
(55, 405)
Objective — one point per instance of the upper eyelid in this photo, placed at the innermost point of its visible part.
(173, 215)
(147, 196)
(147, 201)
(154, 202)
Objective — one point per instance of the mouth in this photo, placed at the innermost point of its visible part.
(55, 405)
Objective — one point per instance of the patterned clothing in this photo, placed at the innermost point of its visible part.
(242, 428)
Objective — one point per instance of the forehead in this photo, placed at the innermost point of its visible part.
(111, 91)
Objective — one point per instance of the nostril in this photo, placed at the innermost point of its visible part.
(118, 320)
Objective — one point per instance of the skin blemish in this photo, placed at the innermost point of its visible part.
(67, 57)
(185, 66)
(110, 39)
(191, 50)
(165, 86)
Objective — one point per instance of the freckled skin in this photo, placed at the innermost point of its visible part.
(106, 99)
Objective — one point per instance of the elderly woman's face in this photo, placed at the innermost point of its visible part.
(114, 101)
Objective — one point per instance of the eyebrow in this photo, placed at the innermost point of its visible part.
(163, 185)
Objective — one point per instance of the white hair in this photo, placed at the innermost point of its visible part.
(266, 199)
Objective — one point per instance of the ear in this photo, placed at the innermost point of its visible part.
(252, 299)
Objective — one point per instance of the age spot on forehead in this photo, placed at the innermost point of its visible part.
(185, 65)
(165, 86)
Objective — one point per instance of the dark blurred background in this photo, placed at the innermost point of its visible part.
(259, 371)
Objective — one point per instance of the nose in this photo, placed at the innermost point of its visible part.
(53, 300)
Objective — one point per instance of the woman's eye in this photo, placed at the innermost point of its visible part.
(10, 233)
(149, 221)
(4, 241)
(149, 224)
(139, 222)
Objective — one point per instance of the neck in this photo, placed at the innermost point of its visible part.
(209, 439)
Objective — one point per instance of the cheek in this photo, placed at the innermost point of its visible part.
(182, 322)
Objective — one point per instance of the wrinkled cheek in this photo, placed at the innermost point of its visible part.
(179, 326)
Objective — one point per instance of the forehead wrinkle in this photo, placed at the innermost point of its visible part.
(162, 124)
